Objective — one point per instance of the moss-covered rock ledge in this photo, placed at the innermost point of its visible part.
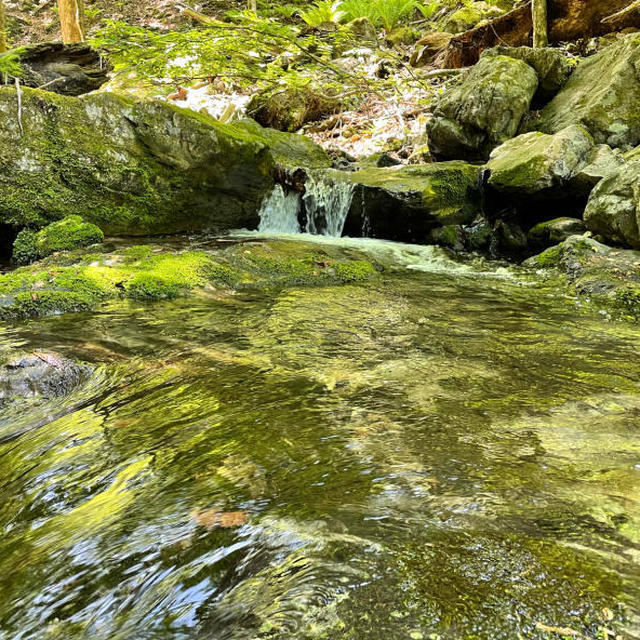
(81, 280)
(135, 167)
(607, 276)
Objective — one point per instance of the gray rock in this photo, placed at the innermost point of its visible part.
(539, 165)
(613, 209)
(41, 374)
(608, 276)
(603, 95)
(483, 111)
(602, 161)
(552, 67)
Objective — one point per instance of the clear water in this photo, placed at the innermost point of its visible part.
(449, 453)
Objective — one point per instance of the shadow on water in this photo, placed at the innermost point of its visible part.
(433, 456)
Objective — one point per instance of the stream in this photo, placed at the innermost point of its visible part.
(450, 452)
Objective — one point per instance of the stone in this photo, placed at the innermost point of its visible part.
(470, 15)
(48, 375)
(69, 233)
(552, 67)
(602, 161)
(552, 232)
(406, 202)
(609, 277)
(538, 164)
(613, 209)
(68, 69)
(603, 95)
(429, 47)
(135, 168)
(483, 111)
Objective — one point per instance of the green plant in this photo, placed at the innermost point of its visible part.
(324, 11)
(10, 65)
(427, 10)
(387, 14)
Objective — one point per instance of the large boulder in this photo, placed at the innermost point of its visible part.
(483, 111)
(613, 209)
(134, 167)
(603, 95)
(552, 67)
(407, 202)
(538, 164)
(552, 232)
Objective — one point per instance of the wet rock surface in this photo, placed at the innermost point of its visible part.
(44, 374)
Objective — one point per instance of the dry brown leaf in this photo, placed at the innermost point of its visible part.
(214, 518)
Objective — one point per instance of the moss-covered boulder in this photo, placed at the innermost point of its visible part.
(613, 209)
(539, 165)
(552, 67)
(470, 14)
(134, 167)
(603, 95)
(69, 233)
(602, 162)
(81, 280)
(610, 277)
(407, 202)
(483, 111)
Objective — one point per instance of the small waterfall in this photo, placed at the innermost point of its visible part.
(279, 212)
(327, 203)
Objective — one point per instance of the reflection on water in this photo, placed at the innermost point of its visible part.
(434, 456)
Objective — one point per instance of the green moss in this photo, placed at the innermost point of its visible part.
(355, 271)
(82, 279)
(25, 249)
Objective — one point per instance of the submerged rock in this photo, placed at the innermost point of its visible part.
(613, 209)
(407, 202)
(603, 95)
(134, 167)
(69, 233)
(41, 374)
(483, 111)
(610, 276)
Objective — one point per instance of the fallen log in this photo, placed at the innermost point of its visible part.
(568, 20)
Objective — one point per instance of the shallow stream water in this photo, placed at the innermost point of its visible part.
(448, 453)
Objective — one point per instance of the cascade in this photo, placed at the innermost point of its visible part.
(279, 211)
(326, 204)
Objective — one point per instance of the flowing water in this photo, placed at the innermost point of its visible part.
(451, 452)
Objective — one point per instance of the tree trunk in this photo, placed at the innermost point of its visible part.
(71, 20)
(539, 13)
(253, 5)
(3, 26)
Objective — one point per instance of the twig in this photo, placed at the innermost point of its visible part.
(443, 72)
(615, 17)
(19, 92)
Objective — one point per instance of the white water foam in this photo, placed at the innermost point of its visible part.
(279, 212)
(326, 204)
